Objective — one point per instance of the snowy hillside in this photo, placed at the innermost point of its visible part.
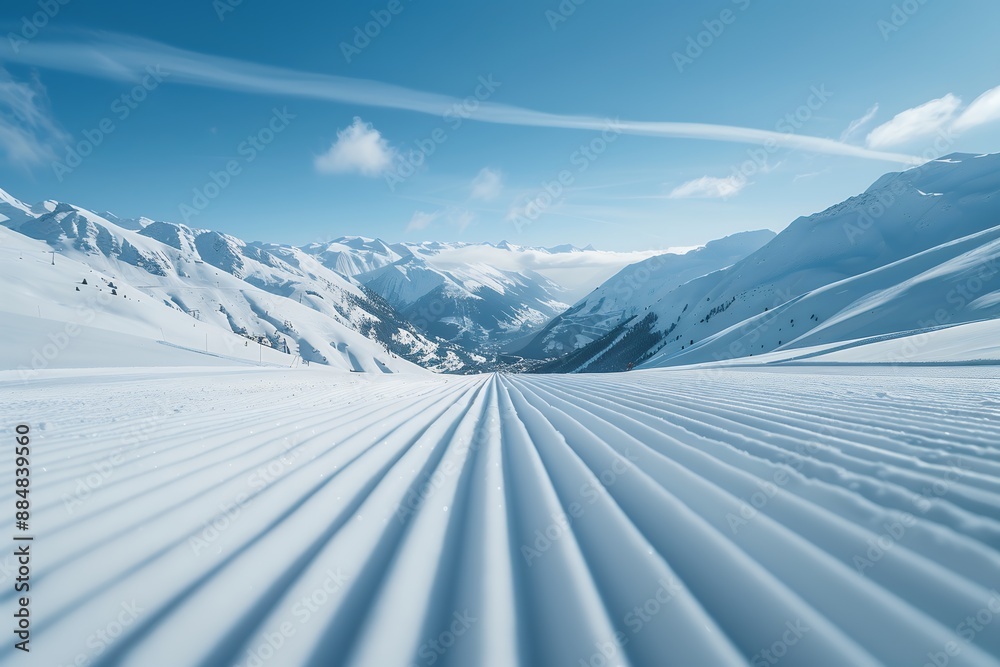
(918, 250)
(968, 344)
(630, 292)
(279, 295)
(72, 315)
(304, 518)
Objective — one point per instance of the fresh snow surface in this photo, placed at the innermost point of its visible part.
(255, 517)
(974, 343)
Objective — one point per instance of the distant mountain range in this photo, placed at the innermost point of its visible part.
(433, 304)
(474, 305)
(917, 252)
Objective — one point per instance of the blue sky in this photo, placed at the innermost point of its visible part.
(629, 126)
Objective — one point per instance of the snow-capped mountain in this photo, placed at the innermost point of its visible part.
(353, 255)
(476, 306)
(279, 295)
(483, 296)
(917, 251)
(631, 291)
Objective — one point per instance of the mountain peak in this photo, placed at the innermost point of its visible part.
(10, 200)
(564, 248)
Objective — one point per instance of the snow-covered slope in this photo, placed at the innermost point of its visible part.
(633, 290)
(307, 518)
(918, 250)
(969, 344)
(281, 295)
(73, 313)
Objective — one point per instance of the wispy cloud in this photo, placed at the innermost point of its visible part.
(859, 123)
(359, 148)
(811, 174)
(456, 216)
(915, 123)
(985, 109)
(487, 185)
(422, 220)
(461, 218)
(28, 134)
(709, 187)
(125, 58)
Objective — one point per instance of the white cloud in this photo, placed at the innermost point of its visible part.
(456, 216)
(123, 58)
(359, 148)
(461, 218)
(709, 187)
(915, 123)
(487, 185)
(28, 134)
(422, 220)
(859, 123)
(985, 109)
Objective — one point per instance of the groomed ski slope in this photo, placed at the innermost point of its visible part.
(696, 518)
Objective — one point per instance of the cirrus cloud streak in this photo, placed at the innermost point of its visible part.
(125, 58)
